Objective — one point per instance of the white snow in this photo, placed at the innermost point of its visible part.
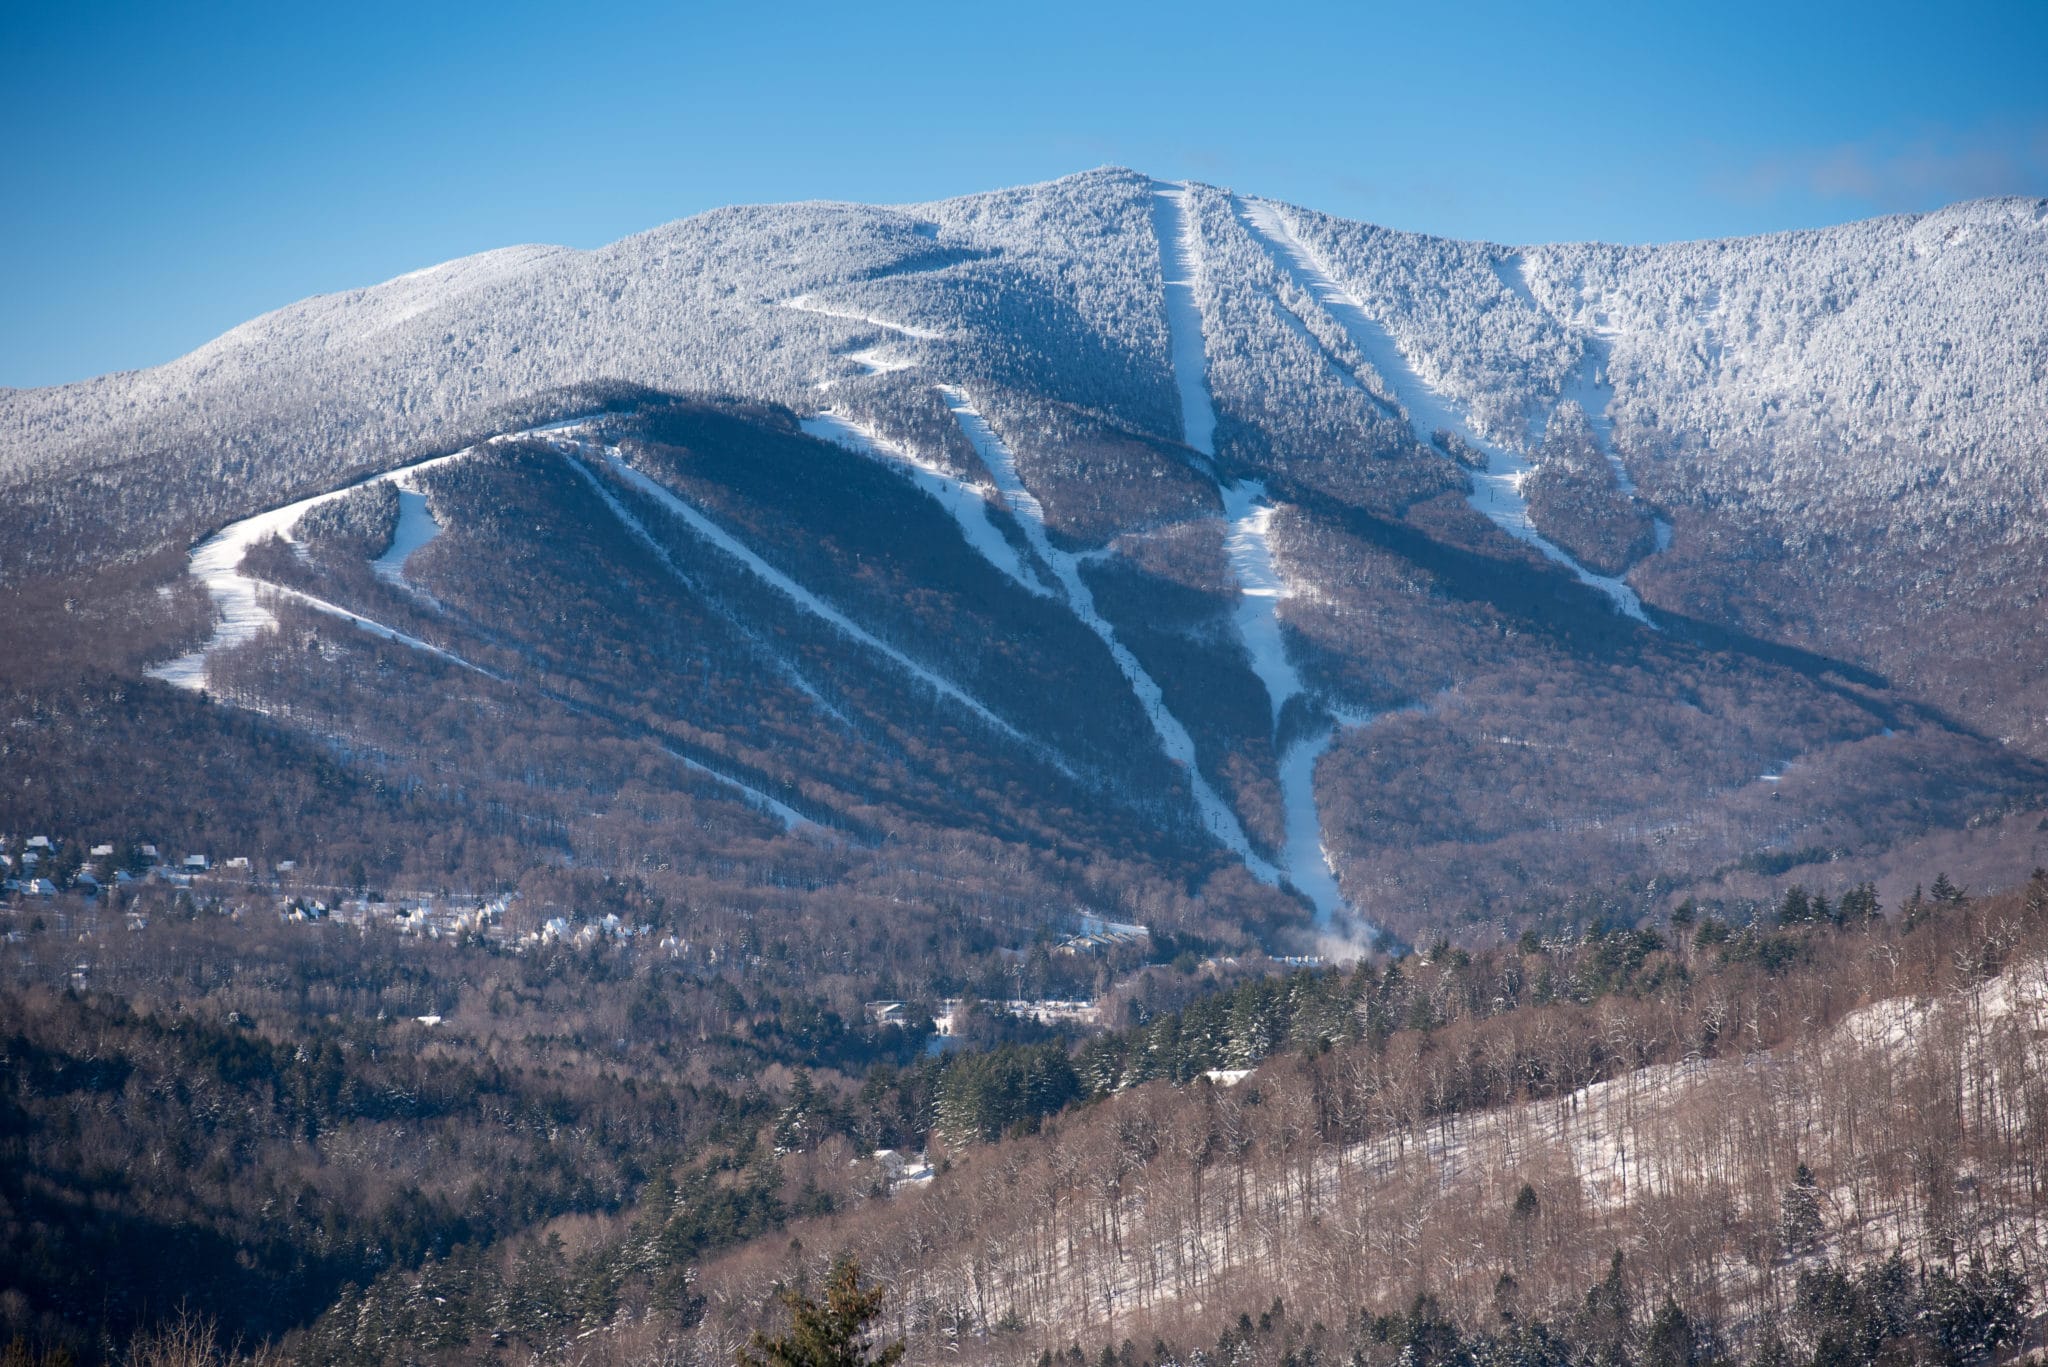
(803, 303)
(1306, 856)
(797, 593)
(1173, 737)
(416, 527)
(1496, 492)
(1179, 260)
(1259, 581)
(789, 816)
(1260, 589)
(217, 563)
(966, 503)
(876, 360)
(375, 628)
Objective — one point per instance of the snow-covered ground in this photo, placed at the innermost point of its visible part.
(1065, 566)
(1179, 260)
(803, 303)
(1497, 491)
(1666, 1132)
(1260, 584)
(879, 360)
(1260, 588)
(239, 599)
(1306, 856)
(1590, 387)
(416, 527)
(967, 504)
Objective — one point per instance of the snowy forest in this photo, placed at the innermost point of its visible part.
(1187, 780)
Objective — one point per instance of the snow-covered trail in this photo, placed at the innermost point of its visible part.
(376, 628)
(1305, 853)
(1174, 739)
(416, 527)
(1260, 588)
(789, 816)
(1260, 585)
(966, 503)
(738, 550)
(1496, 492)
(1179, 263)
(238, 598)
(1588, 387)
(803, 303)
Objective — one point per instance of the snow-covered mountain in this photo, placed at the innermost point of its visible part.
(1334, 502)
(1861, 346)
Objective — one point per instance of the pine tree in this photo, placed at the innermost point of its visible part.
(832, 1334)
(1799, 1224)
(1673, 1341)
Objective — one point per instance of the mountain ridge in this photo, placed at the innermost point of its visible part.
(1330, 517)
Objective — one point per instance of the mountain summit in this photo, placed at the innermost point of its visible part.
(1202, 558)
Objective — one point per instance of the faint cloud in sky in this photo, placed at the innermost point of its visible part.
(1904, 172)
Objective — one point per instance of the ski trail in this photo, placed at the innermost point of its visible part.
(1589, 387)
(1179, 262)
(1249, 518)
(789, 816)
(239, 598)
(1173, 737)
(1307, 857)
(1260, 589)
(966, 503)
(217, 563)
(639, 531)
(1497, 492)
(710, 531)
(803, 303)
(416, 527)
(374, 627)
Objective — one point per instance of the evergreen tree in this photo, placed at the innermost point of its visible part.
(1799, 1224)
(1673, 1342)
(831, 1334)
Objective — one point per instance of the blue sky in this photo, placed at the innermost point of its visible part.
(171, 170)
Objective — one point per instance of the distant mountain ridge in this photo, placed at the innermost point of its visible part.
(1685, 551)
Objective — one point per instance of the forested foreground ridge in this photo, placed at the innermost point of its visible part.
(1820, 1127)
(1180, 777)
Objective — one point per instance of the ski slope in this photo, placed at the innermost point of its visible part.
(238, 598)
(803, 303)
(1260, 586)
(1174, 739)
(790, 817)
(1179, 262)
(796, 593)
(1496, 491)
(1260, 589)
(416, 527)
(965, 503)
